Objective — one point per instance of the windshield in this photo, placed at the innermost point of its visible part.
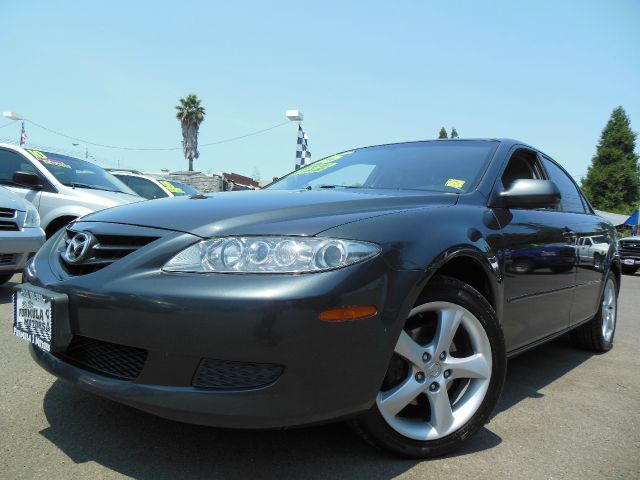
(443, 166)
(74, 172)
(178, 188)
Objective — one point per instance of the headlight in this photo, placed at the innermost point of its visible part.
(270, 255)
(31, 219)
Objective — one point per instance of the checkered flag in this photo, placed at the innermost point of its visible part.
(303, 155)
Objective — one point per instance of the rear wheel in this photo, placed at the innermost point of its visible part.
(522, 265)
(5, 277)
(597, 334)
(445, 376)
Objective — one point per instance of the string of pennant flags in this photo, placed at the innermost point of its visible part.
(303, 154)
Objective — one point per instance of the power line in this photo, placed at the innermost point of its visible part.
(144, 149)
(7, 124)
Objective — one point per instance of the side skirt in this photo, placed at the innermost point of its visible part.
(537, 343)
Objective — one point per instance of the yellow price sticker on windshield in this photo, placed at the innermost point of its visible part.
(171, 187)
(452, 182)
(321, 165)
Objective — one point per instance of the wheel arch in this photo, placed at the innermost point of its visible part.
(58, 223)
(616, 269)
(470, 265)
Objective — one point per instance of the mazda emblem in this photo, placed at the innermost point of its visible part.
(79, 247)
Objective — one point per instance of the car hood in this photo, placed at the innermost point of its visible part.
(8, 199)
(268, 212)
(101, 198)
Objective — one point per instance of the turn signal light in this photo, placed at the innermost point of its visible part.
(351, 312)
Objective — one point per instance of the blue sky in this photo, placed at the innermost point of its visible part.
(546, 72)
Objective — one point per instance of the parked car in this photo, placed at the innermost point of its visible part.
(558, 258)
(371, 285)
(630, 254)
(20, 233)
(153, 186)
(62, 188)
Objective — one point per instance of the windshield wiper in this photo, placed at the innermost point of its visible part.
(86, 185)
(337, 186)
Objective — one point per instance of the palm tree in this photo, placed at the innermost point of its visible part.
(191, 114)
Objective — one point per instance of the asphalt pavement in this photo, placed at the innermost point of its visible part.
(565, 413)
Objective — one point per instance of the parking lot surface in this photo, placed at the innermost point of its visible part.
(565, 413)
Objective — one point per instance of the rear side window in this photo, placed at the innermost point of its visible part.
(571, 198)
(146, 188)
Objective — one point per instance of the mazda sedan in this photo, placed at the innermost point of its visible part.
(379, 285)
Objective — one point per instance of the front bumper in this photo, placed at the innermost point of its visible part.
(331, 370)
(630, 261)
(17, 247)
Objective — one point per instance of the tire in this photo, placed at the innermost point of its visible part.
(522, 266)
(5, 277)
(453, 320)
(597, 261)
(629, 270)
(597, 334)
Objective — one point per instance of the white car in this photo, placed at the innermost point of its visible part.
(153, 186)
(20, 233)
(62, 188)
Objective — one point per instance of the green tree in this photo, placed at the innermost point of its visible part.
(454, 133)
(443, 133)
(612, 182)
(191, 114)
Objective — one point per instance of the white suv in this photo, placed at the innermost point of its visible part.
(20, 233)
(62, 188)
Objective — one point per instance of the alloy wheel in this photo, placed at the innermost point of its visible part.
(443, 365)
(609, 309)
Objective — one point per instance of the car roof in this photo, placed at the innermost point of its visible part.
(506, 142)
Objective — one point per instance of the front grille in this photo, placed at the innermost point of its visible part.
(8, 226)
(630, 248)
(7, 213)
(106, 250)
(7, 259)
(111, 359)
(227, 374)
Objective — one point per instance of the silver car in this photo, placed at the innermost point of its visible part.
(153, 186)
(62, 188)
(20, 233)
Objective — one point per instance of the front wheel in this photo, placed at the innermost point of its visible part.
(597, 261)
(627, 270)
(445, 376)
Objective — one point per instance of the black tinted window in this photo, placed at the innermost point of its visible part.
(571, 201)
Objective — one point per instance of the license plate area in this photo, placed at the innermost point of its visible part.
(40, 317)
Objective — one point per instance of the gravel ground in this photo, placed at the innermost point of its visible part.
(565, 413)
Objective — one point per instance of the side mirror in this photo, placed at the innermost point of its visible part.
(528, 193)
(27, 179)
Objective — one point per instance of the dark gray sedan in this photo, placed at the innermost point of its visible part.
(385, 285)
